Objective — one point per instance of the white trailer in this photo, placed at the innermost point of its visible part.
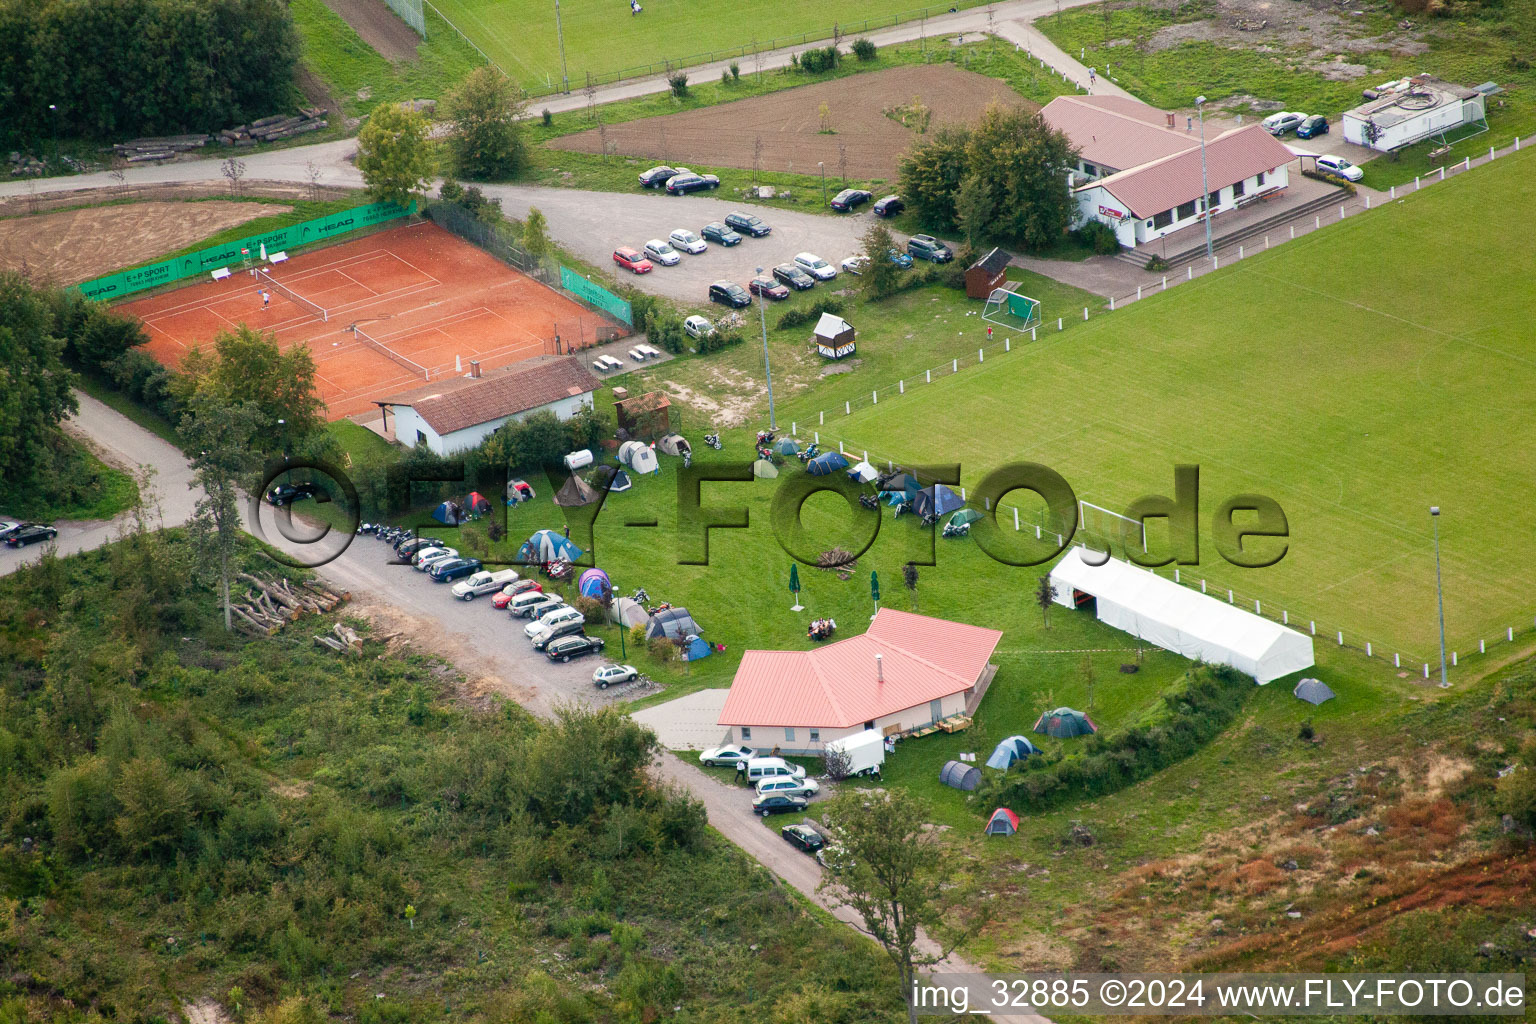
(865, 750)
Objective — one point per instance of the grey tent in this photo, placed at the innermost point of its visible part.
(1313, 691)
(1014, 748)
(673, 623)
(960, 775)
(1064, 723)
(575, 492)
(629, 612)
(936, 500)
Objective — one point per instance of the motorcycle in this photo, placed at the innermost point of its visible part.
(367, 527)
(768, 455)
(713, 440)
(869, 501)
(957, 529)
(765, 437)
(931, 519)
(902, 510)
(687, 459)
(809, 452)
(640, 596)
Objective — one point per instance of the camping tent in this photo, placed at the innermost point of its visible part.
(1002, 823)
(903, 483)
(575, 492)
(863, 473)
(477, 504)
(936, 501)
(958, 775)
(765, 469)
(834, 336)
(1014, 748)
(518, 490)
(822, 465)
(1064, 723)
(785, 446)
(674, 444)
(1181, 620)
(548, 546)
(1313, 691)
(611, 477)
(629, 612)
(448, 513)
(639, 456)
(594, 583)
(696, 648)
(673, 623)
(965, 515)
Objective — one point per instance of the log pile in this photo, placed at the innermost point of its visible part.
(270, 129)
(136, 151)
(272, 604)
(340, 639)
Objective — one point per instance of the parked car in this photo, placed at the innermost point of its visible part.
(1282, 122)
(747, 224)
(719, 233)
(552, 617)
(687, 241)
(483, 582)
(855, 264)
(660, 252)
(30, 533)
(831, 852)
(548, 634)
(568, 647)
(803, 837)
(657, 177)
(287, 494)
(532, 604)
(768, 288)
(630, 259)
(926, 247)
(778, 803)
(788, 273)
(724, 757)
(899, 258)
(613, 675)
(767, 768)
(814, 265)
(890, 206)
(850, 199)
(410, 545)
(793, 784)
(1317, 124)
(426, 558)
(511, 590)
(682, 184)
(457, 569)
(729, 293)
(8, 527)
(1338, 165)
(697, 326)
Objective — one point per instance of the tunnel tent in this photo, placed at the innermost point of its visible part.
(639, 456)
(696, 648)
(764, 469)
(448, 513)
(936, 501)
(863, 473)
(826, 464)
(959, 775)
(1179, 619)
(673, 623)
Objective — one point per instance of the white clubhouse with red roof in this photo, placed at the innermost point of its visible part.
(906, 672)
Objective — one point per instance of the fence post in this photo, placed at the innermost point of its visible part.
(1453, 659)
(1202, 586)
(1415, 182)
(981, 355)
(1467, 164)
(1138, 293)
(1367, 648)
(1511, 636)
(1313, 624)
(1111, 305)
(901, 387)
(962, 494)
(1058, 323)
(1426, 670)
(1085, 312)
(1293, 231)
(794, 429)
(1491, 153)
(1165, 282)
(1175, 575)
(1442, 178)
(1230, 599)
(1239, 252)
(1482, 647)
(816, 436)
(1285, 616)
(1341, 638)
(866, 456)
(1256, 609)
(1037, 533)
(927, 376)
(823, 418)
(1266, 241)
(1189, 272)
(1341, 212)
(874, 398)
(1032, 334)
(1317, 221)
(954, 366)
(840, 448)
(1397, 661)
(1015, 519)
(1215, 262)
(846, 410)
(1367, 201)
(1008, 343)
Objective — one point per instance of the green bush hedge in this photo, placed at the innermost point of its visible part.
(808, 314)
(1187, 719)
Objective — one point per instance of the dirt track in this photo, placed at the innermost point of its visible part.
(789, 123)
(379, 27)
(77, 245)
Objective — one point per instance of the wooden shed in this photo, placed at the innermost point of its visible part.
(834, 336)
(987, 273)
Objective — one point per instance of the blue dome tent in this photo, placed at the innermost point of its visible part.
(1014, 748)
(936, 501)
(593, 583)
(548, 546)
(448, 513)
(822, 465)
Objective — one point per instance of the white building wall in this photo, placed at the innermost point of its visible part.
(1098, 203)
(766, 737)
(409, 426)
(1411, 130)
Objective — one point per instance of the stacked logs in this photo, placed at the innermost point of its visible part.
(272, 604)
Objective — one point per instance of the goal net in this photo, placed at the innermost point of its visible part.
(1103, 530)
(1012, 310)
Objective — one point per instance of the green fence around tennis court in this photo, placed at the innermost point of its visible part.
(596, 295)
(115, 286)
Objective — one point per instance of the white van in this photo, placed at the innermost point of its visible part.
(523, 605)
(768, 768)
(556, 617)
(484, 582)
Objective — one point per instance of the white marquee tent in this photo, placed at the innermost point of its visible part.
(1176, 618)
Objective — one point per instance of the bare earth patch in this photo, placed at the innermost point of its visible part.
(204, 1011)
(77, 245)
(790, 127)
(379, 27)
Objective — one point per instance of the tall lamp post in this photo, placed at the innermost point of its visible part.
(1434, 515)
(762, 313)
(1205, 184)
(823, 167)
(565, 77)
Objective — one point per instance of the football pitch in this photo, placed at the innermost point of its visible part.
(1357, 376)
(603, 37)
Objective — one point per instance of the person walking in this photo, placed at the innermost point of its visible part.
(266, 298)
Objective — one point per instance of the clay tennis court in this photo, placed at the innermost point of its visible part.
(423, 293)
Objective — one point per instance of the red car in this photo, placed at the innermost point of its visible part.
(511, 590)
(768, 288)
(630, 259)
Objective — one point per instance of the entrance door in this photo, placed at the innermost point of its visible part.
(935, 710)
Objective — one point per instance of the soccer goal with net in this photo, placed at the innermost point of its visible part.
(1011, 309)
(1104, 530)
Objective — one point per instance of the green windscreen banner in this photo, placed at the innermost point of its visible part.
(115, 286)
(596, 295)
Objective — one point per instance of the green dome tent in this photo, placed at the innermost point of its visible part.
(1064, 723)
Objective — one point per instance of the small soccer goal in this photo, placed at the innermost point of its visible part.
(1104, 530)
(1012, 310)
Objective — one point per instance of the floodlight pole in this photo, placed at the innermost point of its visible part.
(1205, 184)
(1434, 515)
(565, 77)
(762, 313)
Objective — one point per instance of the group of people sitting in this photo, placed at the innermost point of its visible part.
(821, 629)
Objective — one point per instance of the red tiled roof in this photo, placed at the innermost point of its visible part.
(1114, 131)
(1230, 157)
(460, 402)
(835, 686)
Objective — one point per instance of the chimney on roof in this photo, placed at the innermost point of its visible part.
(474, 367)
(1170, 119)
(879, 668)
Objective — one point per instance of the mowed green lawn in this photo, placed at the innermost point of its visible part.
(1357, 376)
(602, 37)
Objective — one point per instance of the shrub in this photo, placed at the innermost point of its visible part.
(1306, 732)
(666, 330)
(719, 340)
(808, 314)
(591, 608)
(725, 76)
(1099, 237)
(662, 649)
(819, 60)
(1156, 264)
(1332, 179)
(450, 190)
(735, 70)
(547, 117)
(678, 82)
(864, 49)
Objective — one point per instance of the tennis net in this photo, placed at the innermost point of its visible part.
(293, 296)
(379, 346)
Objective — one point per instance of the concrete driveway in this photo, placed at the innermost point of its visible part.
(691, 722)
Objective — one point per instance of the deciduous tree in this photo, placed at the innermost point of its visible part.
(931, 172)
(881, 276)
(35, 396)
(219, 441)
(486, 138)
(394, 154)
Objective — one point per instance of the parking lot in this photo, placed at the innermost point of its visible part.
(593, 224)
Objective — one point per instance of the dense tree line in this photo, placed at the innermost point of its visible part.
(120, 68)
